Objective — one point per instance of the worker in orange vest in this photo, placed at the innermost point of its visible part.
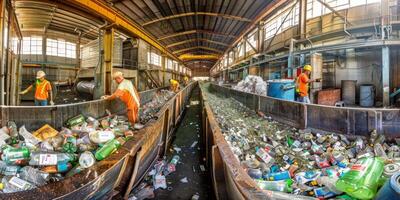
(174, 85)
(42, 90)
(303, 84)
(127, 93)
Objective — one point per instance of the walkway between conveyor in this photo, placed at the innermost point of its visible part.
(186, 135)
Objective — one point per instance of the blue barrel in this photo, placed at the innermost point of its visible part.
(281, 89)
(391, 189)
(367, 95)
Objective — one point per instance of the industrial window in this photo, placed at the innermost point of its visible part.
(315, 8)
(153, 58)
(251, 42)
(176, 67)
(51, 47)
(225, 61)
(14, 44)
(230, 57)
(169, 64)
(32, 45)
(70, 51)
(292, 19)
(240, 49)
(60, 48)
(270, 29)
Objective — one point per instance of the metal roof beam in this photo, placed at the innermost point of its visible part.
(198, 47)
(194, 32)
(199, 57)
(189, 14)
(195, 40)
(118, 19)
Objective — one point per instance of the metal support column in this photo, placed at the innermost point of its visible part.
(78, 55)
(303, 19)
(290, 58)
(2, 60)
(108, 54)
(164, 68)
(386, 75)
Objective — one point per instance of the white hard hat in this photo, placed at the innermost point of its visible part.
(118, 74)
(40, 74)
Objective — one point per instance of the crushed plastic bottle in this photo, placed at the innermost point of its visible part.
(174, 160)
(100, 137)
(12, 184)
(34, 176)
(9, 170)
(86, 159)
(28, 137)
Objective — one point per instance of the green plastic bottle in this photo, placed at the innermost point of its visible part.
(109, 148)
(77, 120)
(281, 186)
(12, 155)
(362, 180)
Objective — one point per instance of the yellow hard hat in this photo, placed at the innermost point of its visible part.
(307, 67)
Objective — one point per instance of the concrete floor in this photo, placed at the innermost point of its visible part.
(191, 158)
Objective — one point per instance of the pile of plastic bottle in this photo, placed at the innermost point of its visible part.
(149, 110)
(284, 159)
(32, 159)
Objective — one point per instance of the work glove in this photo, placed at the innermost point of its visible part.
(23, 92)
(52, 103)
(105, 97)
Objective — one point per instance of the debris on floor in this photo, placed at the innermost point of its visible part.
(285, 159)
(193, 144)
(180, 166)
(184, 180)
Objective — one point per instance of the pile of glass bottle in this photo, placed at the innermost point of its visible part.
(282, 158)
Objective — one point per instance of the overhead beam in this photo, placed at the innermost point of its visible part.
(197, 47)
(199, 57)
(112, 16)
(194, 32)
(195, 40)
(257, 20)
(189, 14)
(200, 61)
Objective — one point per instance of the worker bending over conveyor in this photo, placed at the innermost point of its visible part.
(174, 85)
(127, 93)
